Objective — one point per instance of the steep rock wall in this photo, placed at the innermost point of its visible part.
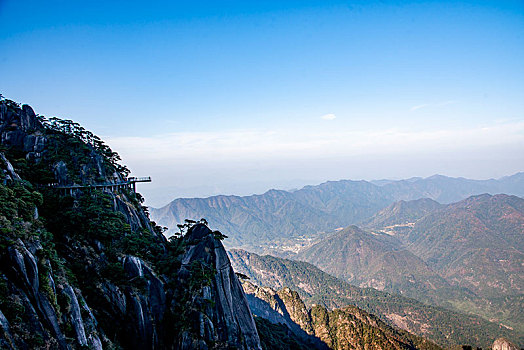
(89, 269)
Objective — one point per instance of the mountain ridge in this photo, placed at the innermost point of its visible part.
(337, 329)
(375, 260)
(292, 219)
(445, 327)
(465, 256)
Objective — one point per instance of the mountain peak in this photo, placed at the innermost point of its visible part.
(437, 177)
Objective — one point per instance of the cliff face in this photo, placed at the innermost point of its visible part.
(283, 307)
(219, 305)
(87, 268)
(345, 328)
(503, 344)
(20, 129)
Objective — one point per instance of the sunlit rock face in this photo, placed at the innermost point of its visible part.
(223, 314)
(503, 344)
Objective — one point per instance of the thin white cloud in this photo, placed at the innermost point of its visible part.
(414, 108)
(239, 145)
(439, 104)
(195, 159)
(329, 116)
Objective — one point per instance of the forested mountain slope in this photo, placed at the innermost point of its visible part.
(344, 328)
(477, 243)
(465, 255)
(314, 286)
(379, 261)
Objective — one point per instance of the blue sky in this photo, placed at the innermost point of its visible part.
(238, 97)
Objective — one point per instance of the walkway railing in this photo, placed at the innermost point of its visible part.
(129, 183)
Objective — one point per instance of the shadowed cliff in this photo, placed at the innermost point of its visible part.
(87, 268)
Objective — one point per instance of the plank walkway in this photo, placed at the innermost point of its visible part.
(130, 184)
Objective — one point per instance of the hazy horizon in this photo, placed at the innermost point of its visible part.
(239, 97)
(165, 195)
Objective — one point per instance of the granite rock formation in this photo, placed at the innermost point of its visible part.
(503, 344)
(87, 268)
(344, 328)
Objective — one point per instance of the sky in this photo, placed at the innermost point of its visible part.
(237, 97)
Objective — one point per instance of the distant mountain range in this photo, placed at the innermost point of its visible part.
(466, 255)
(443, 326)
(382, 262)
(476, 243)
(279, 221)
(443, 241)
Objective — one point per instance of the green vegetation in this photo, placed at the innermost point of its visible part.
(19, 220)
(17, 207)
(10, 304)
(71, 142)
(343, 328)
(362, 330)
(90, 240)
(443, 326)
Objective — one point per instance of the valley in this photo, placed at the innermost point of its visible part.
(463, 256)
(443, 326)
(261, 175)
(295, 219)
(411, 274)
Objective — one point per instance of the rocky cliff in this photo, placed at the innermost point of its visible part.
(445, 327)
(345, 328)
(83, 266)
(217, 303)
(283, 307)
(503, 344)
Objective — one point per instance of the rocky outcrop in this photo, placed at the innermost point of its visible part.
(75, 316)
(24, 274)
(296, 308)
(23, 132)
(345, 328)
(218, 311)
(8, 170)
(20, 129)
(503, 344)
(265, 302)
(6, 339)
(220, 304)
(144, 310)
(90, 270)
(283, 307)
